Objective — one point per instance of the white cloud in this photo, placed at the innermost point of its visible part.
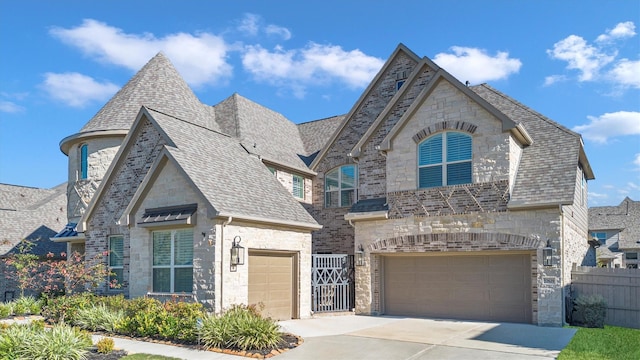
(580, 56)
(597, 195)
(476, 66)
(10, 107)
(622, 30)
(636, 161)
(112, 45)
(252, 25)
(626, 73)
(313, 65)
(552, 79)
(76, 89)
(609, 125)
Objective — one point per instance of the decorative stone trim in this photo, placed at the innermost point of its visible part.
(454, 242)
(445, 125)
(449, 200)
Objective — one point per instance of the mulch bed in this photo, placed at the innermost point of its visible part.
(114, 355)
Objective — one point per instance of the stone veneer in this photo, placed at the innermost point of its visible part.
(478, 232)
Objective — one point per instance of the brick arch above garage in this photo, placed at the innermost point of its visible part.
(454, 242)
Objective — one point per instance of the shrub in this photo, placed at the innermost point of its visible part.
(14, 338)
(98, 318)
(26, 305)
(5, 310)
(592, 309)
(65, 308)
(240, 327)
(60, 342)
(105, 345)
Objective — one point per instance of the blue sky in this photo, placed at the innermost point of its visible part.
(576, 62)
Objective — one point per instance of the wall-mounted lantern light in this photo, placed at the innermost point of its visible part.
(547, 255)
(237, 252)
(360, 256)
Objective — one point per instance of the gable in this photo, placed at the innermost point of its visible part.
(363, 114)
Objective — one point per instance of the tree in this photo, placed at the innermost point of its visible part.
(25, 266)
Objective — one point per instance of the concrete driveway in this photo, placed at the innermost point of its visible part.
(399, 338)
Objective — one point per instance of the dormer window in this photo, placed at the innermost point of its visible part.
(444, 159)
(340, 186)
(84, 167)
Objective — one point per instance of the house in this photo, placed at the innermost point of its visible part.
(457, 201)
(32, 214)
(617, 231)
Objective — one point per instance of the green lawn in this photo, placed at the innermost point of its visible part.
(612, 342)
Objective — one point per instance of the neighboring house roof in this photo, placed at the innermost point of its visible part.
(33, 214)
(315, 135)
(159, 85)
(624, 218)
(547, 170)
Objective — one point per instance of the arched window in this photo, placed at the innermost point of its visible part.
(444, 159)
(84, 168)
(340, 186)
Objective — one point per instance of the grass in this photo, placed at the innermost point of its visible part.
(612, 342)
(147, 357)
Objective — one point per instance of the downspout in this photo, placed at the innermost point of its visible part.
(222, 262)
(564, 291)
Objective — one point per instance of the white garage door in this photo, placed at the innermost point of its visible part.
(271, 282)
(473, 287)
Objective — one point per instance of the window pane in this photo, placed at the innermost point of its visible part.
(458, 147)
(331, 181)
(183, 247)
(631, 256)
(115, 250)
(117, 276)
(459, 173)
(84, 162)
(430, 176)
(347, 197)
(161, 280)
(184, 280)
(430, 151)
(298, 186)
(331, 199)
(162, 248)
(348, 177)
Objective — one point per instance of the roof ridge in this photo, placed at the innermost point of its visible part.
(189, 122)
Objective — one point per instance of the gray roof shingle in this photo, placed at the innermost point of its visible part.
(547, 170)
(232, 180)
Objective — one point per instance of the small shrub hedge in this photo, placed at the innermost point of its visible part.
(592, 310)
(26, 305)
(34, 342)
(105, 345)
(240, 327)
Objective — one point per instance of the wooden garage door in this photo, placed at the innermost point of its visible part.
(271, 282)
(473, 287)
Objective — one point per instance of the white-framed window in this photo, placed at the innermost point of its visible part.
(444, 159)
(298, 186)
(600, 235)
(116, 255)
(173, 261)
(84, 164)
(340, 186)
(631, 256)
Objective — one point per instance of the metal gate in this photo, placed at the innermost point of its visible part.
(332, 283)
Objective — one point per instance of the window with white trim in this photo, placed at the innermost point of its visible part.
(340, 186)
(631, 256)
(601, 236)
(116, 254)
(173, 261)
(444, 159)
(298, 186)
(84, 158)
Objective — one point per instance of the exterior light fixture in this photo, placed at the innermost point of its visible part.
(547, 253)
(360, 256)
(237, 252)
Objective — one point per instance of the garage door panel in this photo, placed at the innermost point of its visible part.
(271, 282)
(475, 287)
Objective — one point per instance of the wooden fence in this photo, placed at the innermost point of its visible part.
(619, 287)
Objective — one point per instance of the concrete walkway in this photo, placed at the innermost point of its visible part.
(395, 338)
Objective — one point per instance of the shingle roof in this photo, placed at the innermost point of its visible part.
(315, 134)
(547, 169)
(159, 85)
(624, 217)
(232, 180)
(30, 213)
(261, 130)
